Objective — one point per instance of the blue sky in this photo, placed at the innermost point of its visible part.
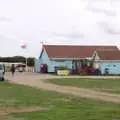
(75, 22)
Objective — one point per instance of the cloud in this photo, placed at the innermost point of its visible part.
(5, 19)
(68, 35)
(110, 28)
(103, 7)
(73, 34)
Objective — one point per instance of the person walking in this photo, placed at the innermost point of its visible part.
(13, 69)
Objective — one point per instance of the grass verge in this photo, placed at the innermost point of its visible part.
(100, 84)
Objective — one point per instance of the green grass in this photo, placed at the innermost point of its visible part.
(100, 84)
(81, 109)
(12, 95)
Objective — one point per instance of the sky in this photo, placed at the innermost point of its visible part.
(63, 22)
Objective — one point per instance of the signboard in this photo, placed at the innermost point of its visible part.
(63, 72)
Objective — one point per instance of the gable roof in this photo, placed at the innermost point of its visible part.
(109, 55)
(73, 52)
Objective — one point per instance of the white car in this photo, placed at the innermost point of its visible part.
(2, 72)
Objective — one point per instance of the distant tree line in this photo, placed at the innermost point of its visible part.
(21, 59)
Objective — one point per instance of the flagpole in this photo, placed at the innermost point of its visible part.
(24, 46)
(26, 61)
(26, 65)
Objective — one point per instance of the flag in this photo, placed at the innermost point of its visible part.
(23, 45)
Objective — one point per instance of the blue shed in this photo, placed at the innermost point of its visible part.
(67, 56)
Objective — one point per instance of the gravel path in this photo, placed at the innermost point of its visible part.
(37, 80)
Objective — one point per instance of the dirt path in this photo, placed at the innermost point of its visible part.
(37, 80)
(6, 111)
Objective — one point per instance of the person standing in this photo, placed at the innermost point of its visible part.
(13, 69)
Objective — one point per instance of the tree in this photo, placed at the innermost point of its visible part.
(21, 59)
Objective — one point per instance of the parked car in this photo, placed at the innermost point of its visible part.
(2, 72)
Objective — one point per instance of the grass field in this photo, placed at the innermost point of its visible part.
(60, 107)
(107, 85)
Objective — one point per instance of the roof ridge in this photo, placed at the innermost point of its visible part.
(85, 45)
